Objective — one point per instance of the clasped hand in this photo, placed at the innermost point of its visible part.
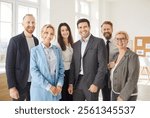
(55, 90)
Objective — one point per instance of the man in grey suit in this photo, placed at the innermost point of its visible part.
(88, 66)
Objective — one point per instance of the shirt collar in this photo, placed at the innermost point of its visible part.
(105, 40)
(87, 39)
(45, 46)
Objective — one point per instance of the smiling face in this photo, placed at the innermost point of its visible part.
(84, 29)
(29, 24)
(64, 32)
(121, 40)
(107, 31)
(47, 34)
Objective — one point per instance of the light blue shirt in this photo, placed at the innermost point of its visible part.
(83, 47)
(51, 58)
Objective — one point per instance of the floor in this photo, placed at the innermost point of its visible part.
(143, 89)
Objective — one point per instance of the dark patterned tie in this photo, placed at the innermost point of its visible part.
(107, 47)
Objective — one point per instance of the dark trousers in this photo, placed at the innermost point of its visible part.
(24, 93)
(114, 97)
(106, 90)
(65, 95)
(81, 92)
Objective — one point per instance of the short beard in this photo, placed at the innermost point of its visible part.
(30, 30)
(107, 35)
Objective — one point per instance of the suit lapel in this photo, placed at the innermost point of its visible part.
(123, 58)
(121, 61)
(25, 45)
(88, 45)
(44, 59)
(78, 49)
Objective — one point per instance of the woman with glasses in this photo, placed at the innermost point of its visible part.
(124, 71)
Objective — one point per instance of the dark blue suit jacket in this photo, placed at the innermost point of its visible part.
(17, 61)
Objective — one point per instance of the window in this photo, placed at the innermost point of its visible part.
(33, 1)
(82, 9)
(5, 28)
(10, 24)
(22, 10)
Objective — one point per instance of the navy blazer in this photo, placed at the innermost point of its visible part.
(17, 61)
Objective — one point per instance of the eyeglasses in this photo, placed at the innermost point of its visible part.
(121, 39)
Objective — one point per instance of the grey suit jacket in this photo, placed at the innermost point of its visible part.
(94, 62)
(125, 75)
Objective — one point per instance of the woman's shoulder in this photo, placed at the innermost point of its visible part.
(36, 47)
(131, 53)
(55, 47)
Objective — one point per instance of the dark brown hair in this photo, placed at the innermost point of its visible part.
(60, 38)
(83, 20)
(107, 22)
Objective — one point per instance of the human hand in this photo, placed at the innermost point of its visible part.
(111, 65)
(53, 90)
(119, 98)
(13, 92)
(70, 89)
(93, 88)
(58, 90)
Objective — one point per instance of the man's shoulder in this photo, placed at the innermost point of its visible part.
(36, 48)
(35, 38)
(17, 37)
(77, 43)
(96, 38)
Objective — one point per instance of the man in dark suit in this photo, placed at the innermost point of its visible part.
(88, 66)
(18, 59)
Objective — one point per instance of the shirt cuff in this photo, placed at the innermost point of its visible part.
(59, 84)
(48, 87)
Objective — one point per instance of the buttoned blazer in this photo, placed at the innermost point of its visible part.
(41, 75)
(94, 62)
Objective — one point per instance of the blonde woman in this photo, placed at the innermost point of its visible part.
(125, 71)
(47, 69)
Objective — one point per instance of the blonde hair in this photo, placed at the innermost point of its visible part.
(45, 27)
(123, 33)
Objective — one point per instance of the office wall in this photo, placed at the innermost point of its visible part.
(129, 15)
(95, 21)
(63, 11)
(44, 12)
